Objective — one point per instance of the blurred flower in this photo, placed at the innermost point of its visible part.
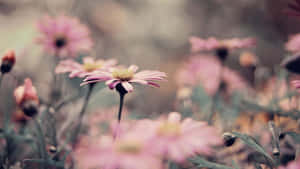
(208, 72)
(221, 46)
(292, 165)
(80, 70)
(248, 59)
(296, 84)
(127, 152)
(26, 98)
(8, 61)
(63, 36)
(293, 45)
(124, 77)
(178, 140)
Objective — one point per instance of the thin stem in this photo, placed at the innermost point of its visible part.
(120, 107)
(81, 114)
(41, 138)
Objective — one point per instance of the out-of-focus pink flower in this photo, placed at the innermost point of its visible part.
(292, 165)
(293, 45)
(207, 71)
(80, 70)
(199, 44)
(178, 139)
(127, 152)
(25, 92)
(125, 77)
(63, 36)
(296, 84)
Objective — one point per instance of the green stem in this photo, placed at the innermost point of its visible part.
(120, 107)
(41, 138)
(81, 114)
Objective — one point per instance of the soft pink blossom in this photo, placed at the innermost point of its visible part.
(126, 77)
(199, 44)
(292, 165)
(177, 139)
(293, 44)
(80, 70)
(207, 71)
(26, 92)
(127, 152)
(63, 36)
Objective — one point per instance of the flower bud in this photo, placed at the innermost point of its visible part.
(248, 59)
(229, 139)
(8, 61)
(51, 149)
(26, 98)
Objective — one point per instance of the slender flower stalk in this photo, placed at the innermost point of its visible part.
(81, 114)
(42, 143)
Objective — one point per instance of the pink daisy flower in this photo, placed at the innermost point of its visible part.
(199, 44)
(63, 36)
(125, 77)
(80, 70)
(178, 139)
(207, 71)
(293, 44)
(127, 152)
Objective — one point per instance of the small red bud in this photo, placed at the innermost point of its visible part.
(8, 61)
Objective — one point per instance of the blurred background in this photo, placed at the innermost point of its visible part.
(150, 33)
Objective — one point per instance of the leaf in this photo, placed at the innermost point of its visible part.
(251, 142)
(201, 163)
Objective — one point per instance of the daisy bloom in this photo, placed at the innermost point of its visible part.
(26, 98)
(127, 152)
(199, 44)
(124, 78)
(207, 71)
(177, 139)
(80, 70)
(63, 36)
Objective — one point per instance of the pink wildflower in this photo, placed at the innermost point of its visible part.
(26, 98)
(63, 36)
(293, 44)
(81, 70)
(209, 44)
(177, 140)
(296, 84)
(127, 152)
(207, 71)
(125, 77)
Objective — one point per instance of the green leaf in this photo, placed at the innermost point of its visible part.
(201, 163)
(251, 142)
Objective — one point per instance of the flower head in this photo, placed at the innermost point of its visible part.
(178, 139)
(124, 78)
(209, 44)
(26, 98)
(210, 74)
(8, 61)
(81, 70)
(293, 44)
(127, 152)
(63, 36)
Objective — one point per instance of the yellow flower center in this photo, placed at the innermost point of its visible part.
(169, 129)
(123, 74)
(129, 146)
(89, 67)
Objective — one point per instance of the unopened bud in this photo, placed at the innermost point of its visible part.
(8, 61)
(51, 149)
(248, 59)
(229, 139)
